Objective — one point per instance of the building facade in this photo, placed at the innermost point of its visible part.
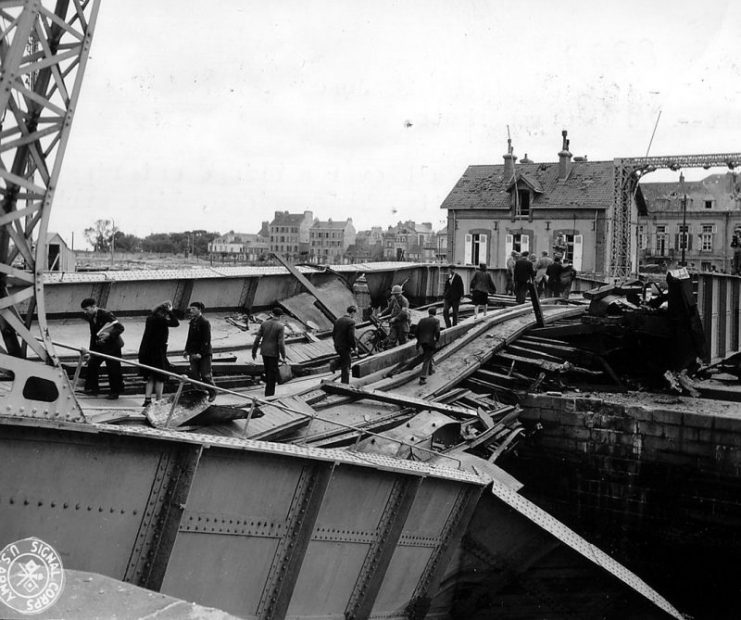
(289, 234)
(239, 247)
(329, 241)
(697, 218)
(563, 206)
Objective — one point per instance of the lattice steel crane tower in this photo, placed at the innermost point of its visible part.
(44, 47)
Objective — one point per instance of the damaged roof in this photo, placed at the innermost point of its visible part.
(589, 185)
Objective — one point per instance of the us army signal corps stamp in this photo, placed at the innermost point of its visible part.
(31, 576)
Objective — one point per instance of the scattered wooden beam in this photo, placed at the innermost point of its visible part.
(396, 399)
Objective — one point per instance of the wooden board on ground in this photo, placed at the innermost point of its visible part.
(278, 421)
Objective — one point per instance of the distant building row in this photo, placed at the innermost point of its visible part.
(300, 237)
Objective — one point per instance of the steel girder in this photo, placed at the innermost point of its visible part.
(628, 171)
(44, 46)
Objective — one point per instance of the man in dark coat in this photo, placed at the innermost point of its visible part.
(105, 337)
(452, 295)
(270, 340)
(343, 334)
(523, 273)
(198, 347)
(553, 274)
(428, 333)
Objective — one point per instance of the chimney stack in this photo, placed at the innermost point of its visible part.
(509, 162)
(564, 158)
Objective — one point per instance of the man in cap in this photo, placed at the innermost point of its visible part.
(524, 272)
(428, 333)
(198, 346)
(270, 339)
(400, 320)
(452, 295)
(105, 337)
(343, 334)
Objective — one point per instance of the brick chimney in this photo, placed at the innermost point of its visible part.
(509, 162)
(564, 158)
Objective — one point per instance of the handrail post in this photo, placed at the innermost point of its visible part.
(249, 417)
(78, 370)
(176, 399)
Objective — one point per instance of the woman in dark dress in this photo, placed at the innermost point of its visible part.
(481, 285)
(153, 349)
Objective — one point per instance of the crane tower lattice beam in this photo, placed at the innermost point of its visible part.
(628, 171)
(44, 46)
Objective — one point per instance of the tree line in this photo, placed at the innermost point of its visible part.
(104, 235)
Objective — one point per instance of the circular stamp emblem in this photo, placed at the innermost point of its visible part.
(31, 576)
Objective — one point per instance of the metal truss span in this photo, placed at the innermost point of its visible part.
(44, 46)
(628, 171)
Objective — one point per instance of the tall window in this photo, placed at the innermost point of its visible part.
(476, 248)
(683, 235)
(706, 238)
(661, 240)
(522, 207)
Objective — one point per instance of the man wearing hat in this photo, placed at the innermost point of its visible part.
(400, 321)
(198, 346)
(271, 336)
(428, 333)
(343, 334)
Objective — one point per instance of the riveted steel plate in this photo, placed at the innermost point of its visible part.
(335, 455)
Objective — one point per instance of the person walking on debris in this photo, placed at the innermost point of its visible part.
(428, 333)
(343, 334)
(540, 270)
(198, 347)
(568, 275)
(510, 287)
(271, 342)
(553, 276)
(153, 349)
(481, 285)
(452, 295)
(524, 273)
(399, 318)
(105, 337)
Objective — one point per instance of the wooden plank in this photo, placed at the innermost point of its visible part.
(395, 399)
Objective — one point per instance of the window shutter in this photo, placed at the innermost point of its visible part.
(509, 242)
(468, 252)
(578, 245)
(524, 243)
(483, 255)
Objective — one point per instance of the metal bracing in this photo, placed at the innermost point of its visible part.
(628, 171)
(44, 46)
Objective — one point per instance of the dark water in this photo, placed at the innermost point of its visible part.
(677, 528)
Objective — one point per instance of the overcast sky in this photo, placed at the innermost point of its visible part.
(213, 116)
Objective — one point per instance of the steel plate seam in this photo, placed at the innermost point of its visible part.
(378, 558)
(454, 528)
(291, 549)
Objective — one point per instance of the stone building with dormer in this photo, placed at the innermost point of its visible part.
(563, 206)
